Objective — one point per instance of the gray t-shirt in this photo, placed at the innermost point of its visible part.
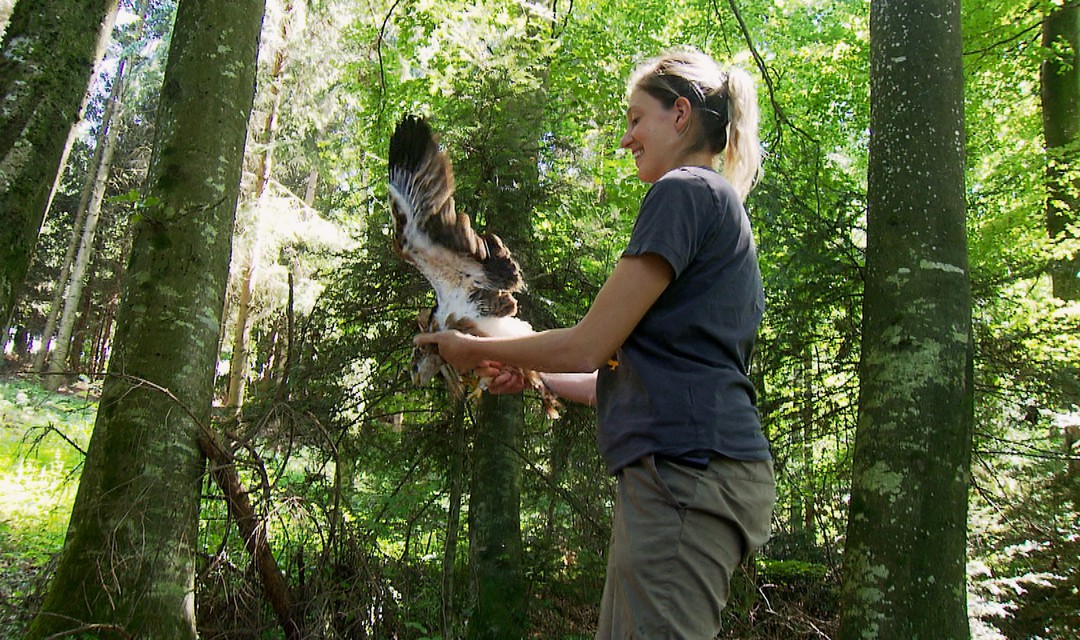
(681, 384)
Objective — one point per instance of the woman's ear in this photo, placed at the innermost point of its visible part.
(683, 109)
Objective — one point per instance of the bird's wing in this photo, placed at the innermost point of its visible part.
(473, 275)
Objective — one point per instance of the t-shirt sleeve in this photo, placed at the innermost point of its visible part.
(670, 222)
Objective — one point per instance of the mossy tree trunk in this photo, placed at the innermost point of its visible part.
(129, 557)
(495, 521)
(508, 190)
(46, 60)
(1060, 83)
(905, 556)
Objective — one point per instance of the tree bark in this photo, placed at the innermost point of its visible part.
(505, 153)
(46, 60)
(129, 557)
(905, 557)
(60, 288)
(234, 395)
(455, 476)
(495, 521)
(1060, 92)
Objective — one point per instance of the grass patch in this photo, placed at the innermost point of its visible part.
(42, 439)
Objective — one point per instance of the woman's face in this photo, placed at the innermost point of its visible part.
(652, 135)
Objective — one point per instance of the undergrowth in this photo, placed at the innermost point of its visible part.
(42, 439)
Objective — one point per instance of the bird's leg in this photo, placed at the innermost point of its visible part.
(426, 361)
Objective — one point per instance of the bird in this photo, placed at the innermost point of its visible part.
(474, 275)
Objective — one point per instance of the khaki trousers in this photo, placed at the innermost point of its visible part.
(678, 534)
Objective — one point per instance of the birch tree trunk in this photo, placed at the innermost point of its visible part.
(238, 365)
(128, 561)
(97, 181)
(904, 561)
(1060, 83)
(46, 59)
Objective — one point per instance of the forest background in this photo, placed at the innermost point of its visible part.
(363, 484)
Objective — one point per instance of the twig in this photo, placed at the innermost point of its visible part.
(113, 628)
(764, 69)
(46, 429)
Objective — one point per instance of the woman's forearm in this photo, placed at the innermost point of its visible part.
(576, 387)
(555, 350)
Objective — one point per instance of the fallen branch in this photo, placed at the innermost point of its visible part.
(223, 471)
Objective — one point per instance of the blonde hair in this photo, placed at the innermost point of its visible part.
(724, 101)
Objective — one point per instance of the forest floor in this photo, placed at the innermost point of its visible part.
(43, 437)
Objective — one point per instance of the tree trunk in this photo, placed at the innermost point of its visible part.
(905, 557)
(101, 340)
(495, 521)
(455, 476)
(1060, 78)
(129, 557)
(234, 395)
(505, 154)
(60, 288)
(5, 14)
(47, 57)
(285, 341)
(104, 39)
(98, 180)
(802, 502)
(77, 347)
(265, 141)
(312, 187)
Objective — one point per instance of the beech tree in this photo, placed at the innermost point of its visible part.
(905, 560)
(1060, 83)
(129, 556)
(48, 53)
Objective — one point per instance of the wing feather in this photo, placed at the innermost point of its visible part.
(474, 275)
(464, 267)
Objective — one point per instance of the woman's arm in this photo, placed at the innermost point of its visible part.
(633, 287)
(576, 387)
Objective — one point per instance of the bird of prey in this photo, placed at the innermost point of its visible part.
(474, 275)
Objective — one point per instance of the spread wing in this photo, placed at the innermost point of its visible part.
(474, 275)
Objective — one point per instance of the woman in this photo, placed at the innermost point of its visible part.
(664, 354)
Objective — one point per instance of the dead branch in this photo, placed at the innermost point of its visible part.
(252, 529)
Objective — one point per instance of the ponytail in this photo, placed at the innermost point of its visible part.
(742, 156)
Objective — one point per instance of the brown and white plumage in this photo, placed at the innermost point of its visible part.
(474, 275)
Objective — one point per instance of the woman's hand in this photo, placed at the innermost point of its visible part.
(502, 379)
(459, 349)
(454, 347)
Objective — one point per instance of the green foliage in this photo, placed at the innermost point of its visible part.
(42, 439)
(363, 479)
